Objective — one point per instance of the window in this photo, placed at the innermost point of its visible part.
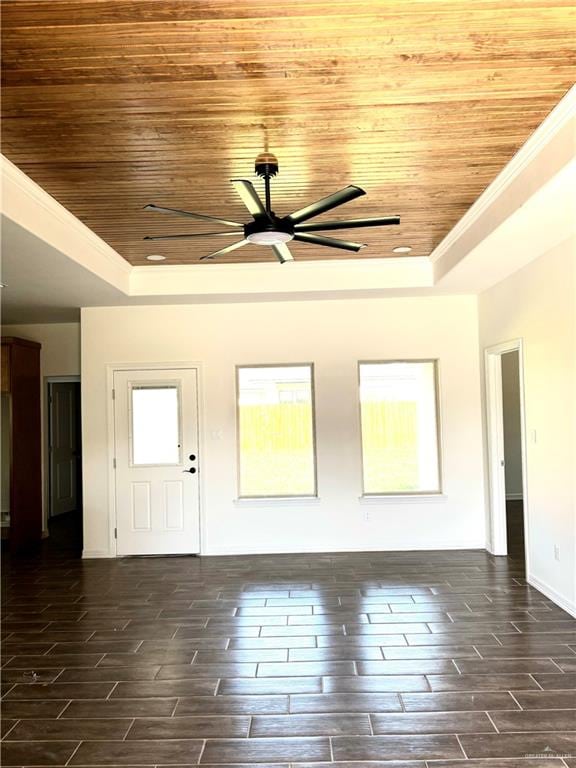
(155, 425)
(399, 418)
(276, 431)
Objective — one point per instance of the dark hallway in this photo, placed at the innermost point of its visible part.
(515, 528)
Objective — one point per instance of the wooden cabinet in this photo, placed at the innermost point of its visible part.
(5, 368)
(21, 459)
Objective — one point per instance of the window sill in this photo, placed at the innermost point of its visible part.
(280, 501)
(404, 498)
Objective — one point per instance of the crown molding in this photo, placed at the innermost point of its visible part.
(558, 118)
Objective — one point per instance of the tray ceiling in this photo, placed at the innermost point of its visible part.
(113, 104)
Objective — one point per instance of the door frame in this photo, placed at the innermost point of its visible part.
(47, 422)
(111, 368)
(498, 539)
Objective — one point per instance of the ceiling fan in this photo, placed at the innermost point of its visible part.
(271, 230)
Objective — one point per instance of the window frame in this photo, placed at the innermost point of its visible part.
(280, 496)
(439, 450)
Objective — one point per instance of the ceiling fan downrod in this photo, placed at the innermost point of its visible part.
(266, 166)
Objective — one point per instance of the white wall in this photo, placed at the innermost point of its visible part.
(334, 335)
(59, 356)
(512, 425)
(537, 304)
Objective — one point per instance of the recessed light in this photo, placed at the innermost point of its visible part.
(402, 249)
(156, 257)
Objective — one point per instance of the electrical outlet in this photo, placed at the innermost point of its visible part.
(556, 552)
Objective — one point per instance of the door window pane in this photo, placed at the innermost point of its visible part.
(276, 432)
(155, 425)
(399, 427)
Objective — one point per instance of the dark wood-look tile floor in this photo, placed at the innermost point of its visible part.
(350, 660)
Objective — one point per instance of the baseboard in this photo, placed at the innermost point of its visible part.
(235, 551)
(514, 496)
(551, 594)
(92, 554)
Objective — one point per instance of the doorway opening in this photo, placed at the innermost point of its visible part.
(64, 463)
(506, 448)
(511, 419)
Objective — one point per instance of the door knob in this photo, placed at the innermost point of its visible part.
(192, 457)
(192, 470)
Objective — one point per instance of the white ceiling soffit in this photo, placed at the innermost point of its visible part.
(29, 206)
(548, 153)
(42, 284)
(542, 222)
(298, 278)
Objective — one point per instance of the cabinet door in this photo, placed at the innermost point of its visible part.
(26, 488)
(5, 377)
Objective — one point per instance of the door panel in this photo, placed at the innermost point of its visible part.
(174, 504)
(156, 429)
(64, 447)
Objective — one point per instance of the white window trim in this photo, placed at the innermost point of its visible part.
(403, 498)
(276, 501)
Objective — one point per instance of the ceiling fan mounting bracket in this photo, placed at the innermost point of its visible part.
(266, 165)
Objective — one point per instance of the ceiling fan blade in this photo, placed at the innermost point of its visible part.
(230, 233)
(326, 204)
(222, 251)
(324, 226)
(282, 253)
(329, 241)
(201, 216)
(249, 197)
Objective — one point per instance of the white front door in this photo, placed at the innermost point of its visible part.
(156, 452)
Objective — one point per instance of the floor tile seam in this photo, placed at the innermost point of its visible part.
(10, 729)
(129, 728)
(492, 721)
(74, 752)
(202, 748)
(560, 670)
(516, 700)
(114, 686)
(461, 747)
(6, 693)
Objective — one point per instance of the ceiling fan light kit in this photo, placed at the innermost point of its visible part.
(270, 230)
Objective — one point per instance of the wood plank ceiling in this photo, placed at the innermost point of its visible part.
(112, 104)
